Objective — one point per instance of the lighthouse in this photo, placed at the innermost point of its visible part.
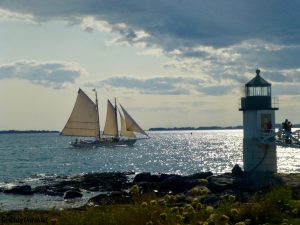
(258, 122)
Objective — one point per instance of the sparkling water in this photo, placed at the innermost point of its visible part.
(34, 158)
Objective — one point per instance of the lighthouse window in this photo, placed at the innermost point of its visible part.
(258, 91)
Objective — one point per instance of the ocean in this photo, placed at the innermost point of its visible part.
(34, 159)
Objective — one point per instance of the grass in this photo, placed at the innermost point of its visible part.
(274, 207)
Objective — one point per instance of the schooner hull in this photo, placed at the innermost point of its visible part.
(103, 143)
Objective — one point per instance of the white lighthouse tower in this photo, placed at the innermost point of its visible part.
(258, 116)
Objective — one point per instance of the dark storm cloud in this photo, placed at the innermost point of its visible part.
(285, 57)
(178, 22)
(48, 74)
(226, 40)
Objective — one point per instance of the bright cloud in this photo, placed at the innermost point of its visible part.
(7, 15)
(49, 74)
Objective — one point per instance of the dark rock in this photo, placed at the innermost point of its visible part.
(245, 184)
(142, 177)
(237, 171)
(72, 194)
(177, 184)
(93, 189)
(19, 190)
(211, 200)
(63, 189)
(244, 196)
(53, 193)
(110, 181)
(111, 199)
(257, 181)
(148, 177)
(48, 190)
(114, 181)
(147, 187)
(54, 190)
(220, 183)
(202, 175)
(180, 197)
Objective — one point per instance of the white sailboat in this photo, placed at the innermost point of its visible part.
(84, 122)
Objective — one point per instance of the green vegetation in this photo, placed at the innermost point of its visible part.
(278, 206)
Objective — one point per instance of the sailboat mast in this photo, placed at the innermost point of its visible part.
(98, 121)
(116, 116)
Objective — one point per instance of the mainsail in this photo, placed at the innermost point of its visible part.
(84, 119)
(111, 126)
(130, 123)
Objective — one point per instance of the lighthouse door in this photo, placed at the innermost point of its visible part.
(265, 118)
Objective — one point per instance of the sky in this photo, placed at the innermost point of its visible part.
(170, 63)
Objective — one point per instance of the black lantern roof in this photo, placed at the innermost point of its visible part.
(258, 81)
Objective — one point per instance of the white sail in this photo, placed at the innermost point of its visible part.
(84, 119)
(131, 125)
(124, 132)
(111, 126)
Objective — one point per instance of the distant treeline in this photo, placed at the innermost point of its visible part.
(196, 128)
(26, 131)
(209, 128)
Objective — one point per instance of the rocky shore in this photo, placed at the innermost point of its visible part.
(115, 186)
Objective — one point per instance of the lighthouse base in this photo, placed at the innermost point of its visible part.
(259, 158)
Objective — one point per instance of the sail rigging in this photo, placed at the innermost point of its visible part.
(128, 124)
(131, 124)
(111, 123)
(124, 132)
(84, 120)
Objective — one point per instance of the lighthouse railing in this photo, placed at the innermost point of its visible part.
(275, 102)
(281, 138)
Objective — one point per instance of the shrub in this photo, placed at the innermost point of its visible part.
(134, 190)
(203, 182)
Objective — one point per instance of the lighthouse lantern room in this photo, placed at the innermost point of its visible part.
(258, 121)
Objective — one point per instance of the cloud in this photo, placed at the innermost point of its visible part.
(286, 89)
(217, 90)
(225, 40)
(163, 85)
(49, 74)
(208, 22)
(7, 15)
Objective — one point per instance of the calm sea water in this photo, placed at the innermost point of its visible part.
(30, 158)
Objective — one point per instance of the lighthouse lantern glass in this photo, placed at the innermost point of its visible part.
(258, 91)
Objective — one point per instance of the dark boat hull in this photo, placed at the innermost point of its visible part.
(103, 143)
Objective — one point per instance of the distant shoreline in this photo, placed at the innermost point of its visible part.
(27, 131)
(150, 129)
(195, 128)
(207, 128)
